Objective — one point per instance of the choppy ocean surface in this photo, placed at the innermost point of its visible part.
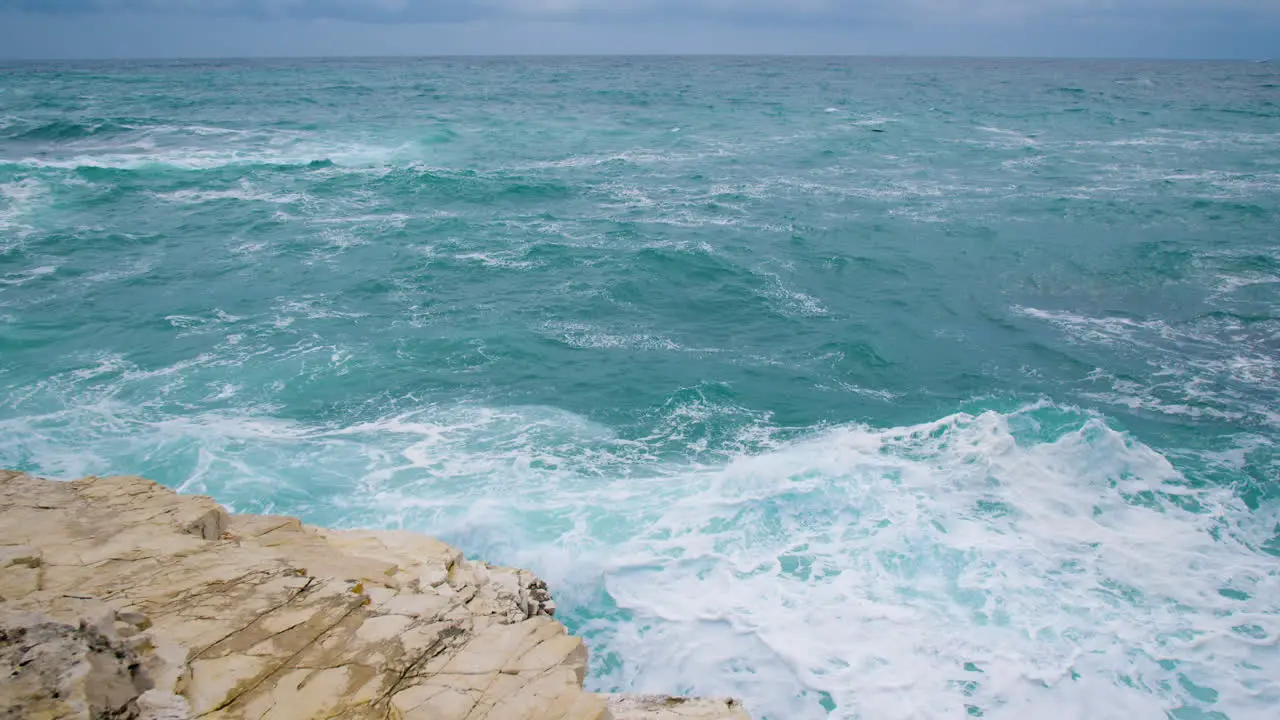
(854, 388)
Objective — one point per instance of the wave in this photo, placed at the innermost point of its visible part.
(1011, 137)
(974, 564)
(17, 200)
(25, 276)
(498, 260)
(66, 130)
(1219, 365)
(244, 192)
(1031, 563)
(179, 160)
(790, 301)
(172, 147)
(585, 336)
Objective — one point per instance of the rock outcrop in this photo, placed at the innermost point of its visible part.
(122, 599)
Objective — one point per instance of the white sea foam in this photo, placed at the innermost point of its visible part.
(1010, 137)
(334, 241)
(789, 300)
(685, 217)
(1215, 369)
(249, 248)
(582, 335)
(217, 321)
(1095, 329)
(308, 307)
(390, 220)
(129, 269)
(1186, 139)
(17, 199)
(498, 260)
(284, 151)
(874, 121)
(636, 157)
(23, 277)
(1228, 284)
(884, 395)
(1031, 564)
(877, 566)
(245, 192)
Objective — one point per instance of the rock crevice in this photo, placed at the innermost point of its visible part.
(122, 599)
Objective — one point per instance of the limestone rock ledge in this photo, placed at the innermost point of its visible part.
(122, 599)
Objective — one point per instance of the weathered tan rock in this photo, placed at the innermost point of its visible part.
(56, 670)
(216, 616)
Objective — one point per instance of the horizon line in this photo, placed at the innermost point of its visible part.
(653, 55)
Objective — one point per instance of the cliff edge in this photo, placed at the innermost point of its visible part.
(122, 599)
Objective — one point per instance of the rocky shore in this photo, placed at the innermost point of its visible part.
(122, 599)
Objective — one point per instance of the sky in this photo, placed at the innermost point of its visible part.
(47, 29)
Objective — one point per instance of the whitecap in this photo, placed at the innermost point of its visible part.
(498, 260)
(245, 192)
(1196, 369)
(790, 301)
(23, 277)
(589, 337)
(20, 198)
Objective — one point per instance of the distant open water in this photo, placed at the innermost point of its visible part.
(854, 388)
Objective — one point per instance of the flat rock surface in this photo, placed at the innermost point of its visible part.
(141, 603)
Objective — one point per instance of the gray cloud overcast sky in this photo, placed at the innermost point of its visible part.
(177, 28)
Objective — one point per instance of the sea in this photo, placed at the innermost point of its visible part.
(851, 387)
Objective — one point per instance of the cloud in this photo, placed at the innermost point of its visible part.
(918, 12)
(261, 28)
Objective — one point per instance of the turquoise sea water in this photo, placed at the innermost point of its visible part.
(854, 388)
